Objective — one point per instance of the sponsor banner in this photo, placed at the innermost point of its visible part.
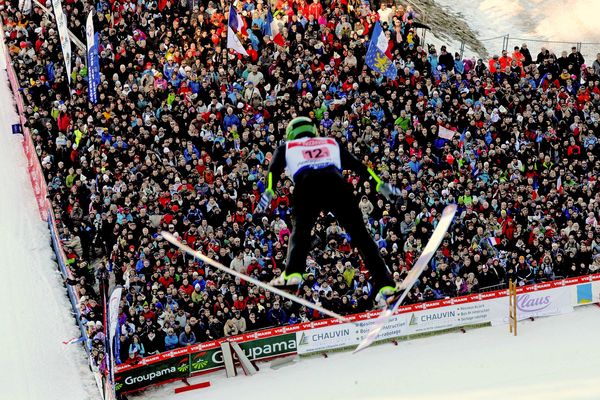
(63, 34)
(254, 350)
(411, 319)
(145, 375)
(410, 323)
(93, 66)
(183, 362)
(595, 292)
(450, 317)
(34, 168)
(328, 337)
(535, 304)
(583, 294)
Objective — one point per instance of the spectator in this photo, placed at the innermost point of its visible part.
(187, 337)
(184, 129)
(171, 339)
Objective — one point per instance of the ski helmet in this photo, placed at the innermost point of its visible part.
(301, 127)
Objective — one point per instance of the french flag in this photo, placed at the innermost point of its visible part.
(494, 241)
(235, 25)
(271, 29)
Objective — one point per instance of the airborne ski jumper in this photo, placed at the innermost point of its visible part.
(315, 165)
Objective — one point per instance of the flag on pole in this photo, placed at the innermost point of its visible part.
(559, 186)
(93, 66)
(235, 25)
(376, 57)
(445, 133)
(63, 34)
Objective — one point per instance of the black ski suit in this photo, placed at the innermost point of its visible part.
(325, 189)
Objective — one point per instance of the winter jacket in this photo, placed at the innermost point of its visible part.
(186, 339)
(171, 341)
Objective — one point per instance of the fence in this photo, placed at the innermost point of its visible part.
(38, 183)
(551, 298)
(496, 45)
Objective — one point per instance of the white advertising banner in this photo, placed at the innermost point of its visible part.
(346, 335)
(535, 304)
(63, 34)
(455, 313)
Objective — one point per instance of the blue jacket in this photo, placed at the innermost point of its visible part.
(277, 317)
(185, 339)
(171, 341)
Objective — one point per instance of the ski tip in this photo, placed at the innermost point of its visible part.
(450, 209)
(169, 237)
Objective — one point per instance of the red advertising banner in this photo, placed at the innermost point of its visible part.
(36, 174)
(266, 333)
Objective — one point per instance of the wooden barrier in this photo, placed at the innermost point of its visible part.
(512, 307)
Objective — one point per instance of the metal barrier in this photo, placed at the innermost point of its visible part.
(492, 288)
(506, 42)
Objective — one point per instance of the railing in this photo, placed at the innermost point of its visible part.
(38, 183)
(507, 42)
(470, 310)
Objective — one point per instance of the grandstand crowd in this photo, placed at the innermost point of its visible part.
(184, 129)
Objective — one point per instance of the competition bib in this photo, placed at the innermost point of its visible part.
(313, 153)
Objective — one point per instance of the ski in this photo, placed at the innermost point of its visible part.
(413, 275)
(175, 242)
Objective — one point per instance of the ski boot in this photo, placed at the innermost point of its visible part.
(287, 282)
(388, 295)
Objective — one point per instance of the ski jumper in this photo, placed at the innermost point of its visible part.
(315, 165)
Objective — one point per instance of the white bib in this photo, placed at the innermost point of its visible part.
(313, 153)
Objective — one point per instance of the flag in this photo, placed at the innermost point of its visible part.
(236, 22)
(494, 241)
(113, 322)
(74, 340)
(445, 133)
(25, 6)
(234, 26)
(267, 29)
(271, 28)
(559, 186)
(376, 57)
(93, 66)
(63, 34)
(461, 139)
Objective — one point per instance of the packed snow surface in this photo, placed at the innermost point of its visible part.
(35, 317)
(552, 358)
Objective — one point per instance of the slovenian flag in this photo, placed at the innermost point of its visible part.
(235, 25)
(494, 241)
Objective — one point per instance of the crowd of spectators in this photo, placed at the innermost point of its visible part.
(184, 129)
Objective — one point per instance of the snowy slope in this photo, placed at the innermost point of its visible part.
(35, 317)
(552, 358)
(558, 20)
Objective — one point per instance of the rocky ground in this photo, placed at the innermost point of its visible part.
(446, 24)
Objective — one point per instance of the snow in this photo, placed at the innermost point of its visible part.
(551, 358)
(35, 319)
(557, 20)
